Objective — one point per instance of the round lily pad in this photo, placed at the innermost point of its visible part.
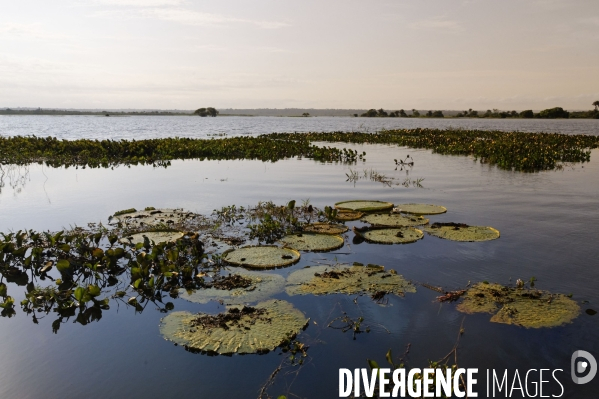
(261, 257)
(421, 209)
(364, 205)
(326, 228)
(394, 220)
(323, 280)
(156, 236)
(529, 308)
(241, 330)
(346, 216)
(254, 287)
(462, 232)
(312, 242)
(403, 235)
(151, 217)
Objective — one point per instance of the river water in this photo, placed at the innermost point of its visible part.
(548, 223)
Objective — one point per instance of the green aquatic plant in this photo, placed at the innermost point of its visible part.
(312, 242)
(394, 220)
(462, 232)
(363, 205)
(239, 330)
(403, 235)
(325, 228)
(344, 279)
(240, 286)
(261, 256)
(525, 307)
(133, 219)
(421, 209)
(152, 236)
(347, 216)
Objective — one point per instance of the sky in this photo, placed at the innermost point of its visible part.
(186, 54)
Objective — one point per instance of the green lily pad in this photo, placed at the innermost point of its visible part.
(394, 220)
(241, 330)
(529, 308)
(257, 287)
(312, 242)
(326, 228)
(364, 205)
(462, 232)
(261, 256)
(422, 209)
(151, 217)
(323, 280)
(156, 236)
(347, 216)
(403, 235)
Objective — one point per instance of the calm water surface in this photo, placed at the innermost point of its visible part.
(144, 127)
(549, 225)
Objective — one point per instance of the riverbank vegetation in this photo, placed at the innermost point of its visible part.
(507, 150)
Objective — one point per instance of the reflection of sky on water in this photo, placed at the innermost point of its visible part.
(548, 223)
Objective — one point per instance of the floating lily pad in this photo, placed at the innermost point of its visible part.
(312, 242)
(394, 220)
(421, 209)
(323, 280)
(255, 287)
(156, 236)
(151, 217)
(326, 228)
(462, 232)
(525, 307)
(347, 216)
(364, 205)
(241, 330)
(403, 235)
(261, 257)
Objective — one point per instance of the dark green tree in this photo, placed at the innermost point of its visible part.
(554, 113)
(596, 105)
(402, 113)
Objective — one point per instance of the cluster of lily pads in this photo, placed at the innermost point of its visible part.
(508, 150)
(150, 256)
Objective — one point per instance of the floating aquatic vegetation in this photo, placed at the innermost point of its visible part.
(239, 287)
(364, 205)
(394, 220)
(346, 216)
(312, 242)
(153, 236)
(241, 330)
(529, 308)
(343, 279)
(261, 256)
(462, 232)
(152, 217)
(403, 235)
(421, 209)
(326, 228)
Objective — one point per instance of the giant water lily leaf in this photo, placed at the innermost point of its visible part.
(312, 242)
(462, 232)
(240, 330)
(325, 228)
(239, 287)
(394, 220)
(421, 209)
(364, 205)
(261, 256)
(403, 235)
(153, 236)
(323, 280)
(520, 306)
(151, 217)
(346, 216)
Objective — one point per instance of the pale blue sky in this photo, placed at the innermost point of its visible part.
(445, 54)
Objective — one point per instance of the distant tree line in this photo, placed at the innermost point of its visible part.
(203, 112)
(550, 113)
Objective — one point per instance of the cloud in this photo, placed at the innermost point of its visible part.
(139, 3)
(32, 31)
(437, 23)
(187, 17)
